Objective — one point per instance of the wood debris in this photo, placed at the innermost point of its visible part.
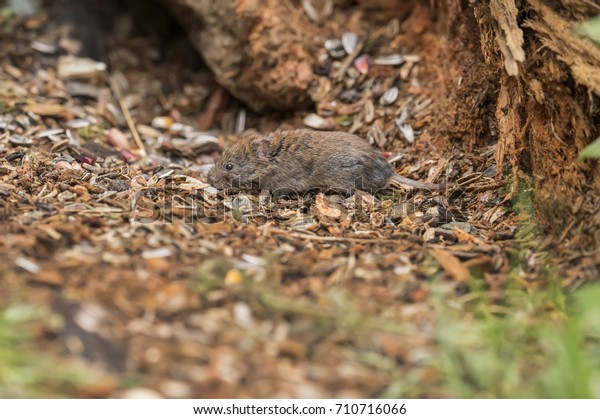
(107, 221)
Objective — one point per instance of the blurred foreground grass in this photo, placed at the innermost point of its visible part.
(527, 347)
(529, 342)
(23, 371)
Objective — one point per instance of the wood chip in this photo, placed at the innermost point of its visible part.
(451, 264)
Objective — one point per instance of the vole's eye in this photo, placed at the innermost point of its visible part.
(229, 166)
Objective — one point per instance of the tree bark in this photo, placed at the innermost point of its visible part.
(256, 49)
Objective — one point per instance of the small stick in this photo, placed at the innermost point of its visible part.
(349, 60)
(306, 236)
(136, 136)
(398, 179)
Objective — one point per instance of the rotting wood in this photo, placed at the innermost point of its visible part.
(556, 33)
(509, 35)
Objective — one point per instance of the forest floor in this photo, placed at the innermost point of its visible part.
(125, 274)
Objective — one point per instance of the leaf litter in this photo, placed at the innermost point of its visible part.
(162, 281)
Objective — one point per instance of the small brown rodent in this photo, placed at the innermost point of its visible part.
(287, 162)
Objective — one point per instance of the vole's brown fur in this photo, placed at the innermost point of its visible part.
(287, 162)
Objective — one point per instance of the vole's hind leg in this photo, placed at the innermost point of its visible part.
(375, 176)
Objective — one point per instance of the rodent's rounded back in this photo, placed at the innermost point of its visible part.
(298, 160)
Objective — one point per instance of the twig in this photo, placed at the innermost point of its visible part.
(364, 45)
(332, 238)
(563, 236)
(349, 60)
(136, 136)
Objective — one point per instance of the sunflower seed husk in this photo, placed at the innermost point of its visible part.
(82, 89)
(335, 48)
(70, 67)
(337, 53)
(161, 252)
(27, 265)
(349, 42)
(165, 173)
(403, 117)
(68, 159)
(393, 59)
(408, 133)
(311, 12)
(315, 121)
(18, 140)
(180, 128)
(389, 96)
(333, 43)
(240, 121)
(350, 96)
(44, 47)
(490, 172)
(395, 157)
(59, 145)
(78, 123)
(50, 132)
(199, 138)
(23, 121)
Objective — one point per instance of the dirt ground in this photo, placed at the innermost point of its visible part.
(158, 285)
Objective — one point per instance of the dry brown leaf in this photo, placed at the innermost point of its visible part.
(463, 236)
(49, 278)
(451, 264)
(324, 209)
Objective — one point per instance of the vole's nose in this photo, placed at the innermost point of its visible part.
(210, 176)
(214, 178)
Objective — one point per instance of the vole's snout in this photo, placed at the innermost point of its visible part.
(212, 178)
(218, 179)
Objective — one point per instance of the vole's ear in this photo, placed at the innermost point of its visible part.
(262, 148)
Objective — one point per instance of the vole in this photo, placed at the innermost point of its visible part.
(295, 161)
